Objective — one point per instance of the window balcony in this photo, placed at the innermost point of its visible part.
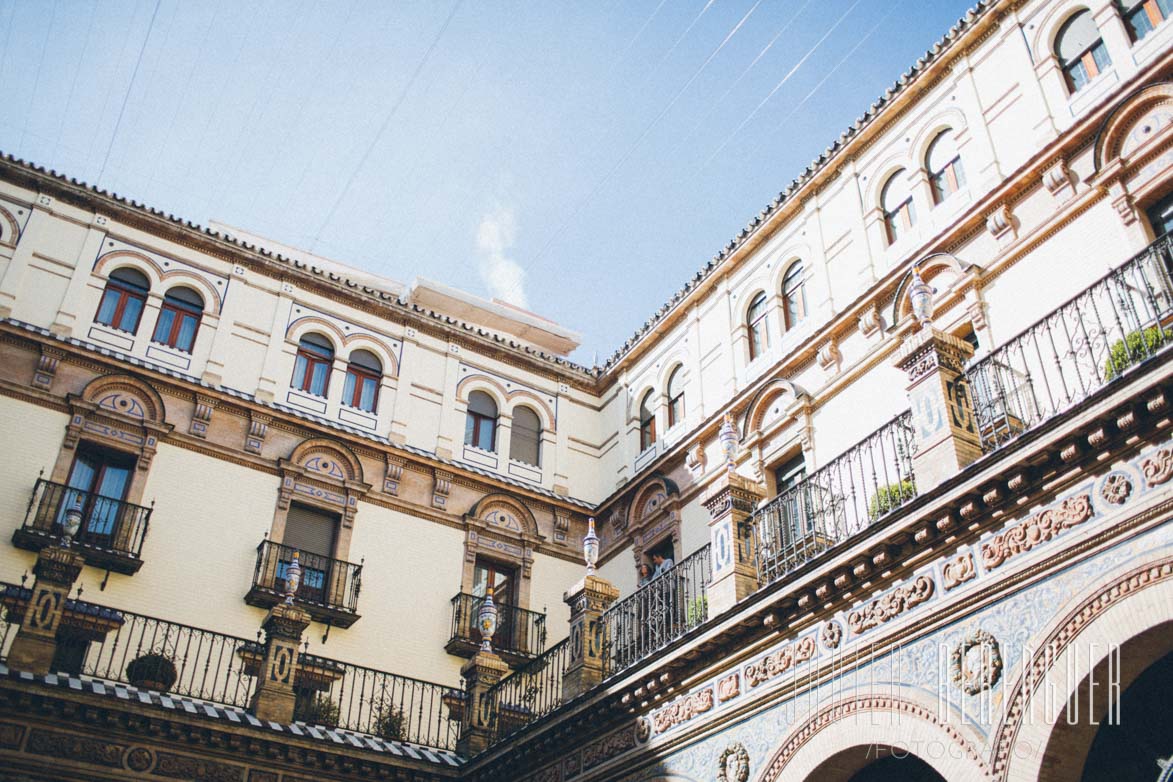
(329, 587)
(520, 636)
(111, 533)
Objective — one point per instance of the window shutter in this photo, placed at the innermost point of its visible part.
(310, 530)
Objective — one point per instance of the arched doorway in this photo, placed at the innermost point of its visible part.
(908, 768)
(1128, 750)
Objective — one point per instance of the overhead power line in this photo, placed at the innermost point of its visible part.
(126, 97)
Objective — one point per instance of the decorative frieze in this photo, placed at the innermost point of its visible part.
(831, 635)
(682, 710)
(1116, 488)
(976, 663)
(779, 662)
(1036, 530)
(1158, 468)
(884, 609)
(729, 687)
(599, 752)
(958, 570)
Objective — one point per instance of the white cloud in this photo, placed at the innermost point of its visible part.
(502, 275)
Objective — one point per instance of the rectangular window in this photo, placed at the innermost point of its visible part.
(360, 391)
(120, 309)
(97, 486)
(1142, 18)
(310, 532)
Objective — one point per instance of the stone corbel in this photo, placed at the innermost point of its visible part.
(829, 356)
(561, 525)
(393, 474)
(1122, 202)
(258, 429)
(695, 460)
(870, 320)
(440, 488)
(1057, 180)
(46, 367)
(1000, 224)
(976, 310)
(201, 417)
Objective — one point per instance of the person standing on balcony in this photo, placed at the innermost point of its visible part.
(645, 573)
(663, 564)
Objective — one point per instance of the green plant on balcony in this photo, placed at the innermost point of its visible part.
(889, 497)
(152, 671)
(389, 722)
(697, 610)
(315, 709)
(1135, 347)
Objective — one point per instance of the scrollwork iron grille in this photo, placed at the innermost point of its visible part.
(848, 494)
(519, 631)
(529, 693)
(1121, 320)
(393, 707)
(108, 524)
(327, 582)
(143, 651)
(657, 613)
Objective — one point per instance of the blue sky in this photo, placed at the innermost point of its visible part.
(579, 159)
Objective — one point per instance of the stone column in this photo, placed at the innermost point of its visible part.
(273, 698)
(731, 500)
(943, 418)
(480, 674)
(36, 641)
(588, 599)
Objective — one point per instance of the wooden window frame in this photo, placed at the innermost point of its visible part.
(179, 310)
(647, 426)
(899, 220)
(759, 338)
(675, 403)
(1153, 13)
(125, 292)
(361, 374)
(305, 356)
(473, 434)
(793, 296)
(513, 439)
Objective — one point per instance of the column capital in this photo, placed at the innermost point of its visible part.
(929, 349)
(732, 492)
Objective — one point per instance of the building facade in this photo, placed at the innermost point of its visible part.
(897, 458)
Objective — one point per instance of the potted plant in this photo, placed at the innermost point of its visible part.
(315, 709)
(152, 671)
(389, 722)
(697, 610)
(1136, 346)
(889, 497)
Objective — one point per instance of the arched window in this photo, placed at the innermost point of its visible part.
(179, 319)
(755, 321)
(944, 165)
(675, 397)
(1143, 16)
(480, 427)
(647, 422)
(122, 301)
(1081, 50)
(311, 371)
(896, 202)
(793, 297)
(362, 381)
(525, 441)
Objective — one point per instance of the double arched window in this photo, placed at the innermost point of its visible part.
(896, 203)
(1143, 16)
(363, 372)
(675, 397)
(311, 370)
(1081, 51)
(793, 297)
(122, 301)
(943, 163)
(647, 422)
(179, 319)
(525, 440)
(755, 323)
(480, 425)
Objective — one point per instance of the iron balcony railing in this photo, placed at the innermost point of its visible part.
(849, 493)
(656, 614)
(529, 693)
(169, 657)
(111, 533)
(1119, 321)
(329, 588)
(520, 635)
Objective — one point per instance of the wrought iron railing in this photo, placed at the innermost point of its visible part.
(328, 583)
(1121, 320)
(529, 693)
(108, 525)
(520, 632)
(149, 653)
(168, 657)
(393, 707)
(849, 493)
(657, 613)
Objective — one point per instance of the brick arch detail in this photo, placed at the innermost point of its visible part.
(756, 410)
(836, 728)
(1125, 117)
(11, 232)
(1088, 613)
(163, 279)
(128, 396)
(329, 459)
(507, 399)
